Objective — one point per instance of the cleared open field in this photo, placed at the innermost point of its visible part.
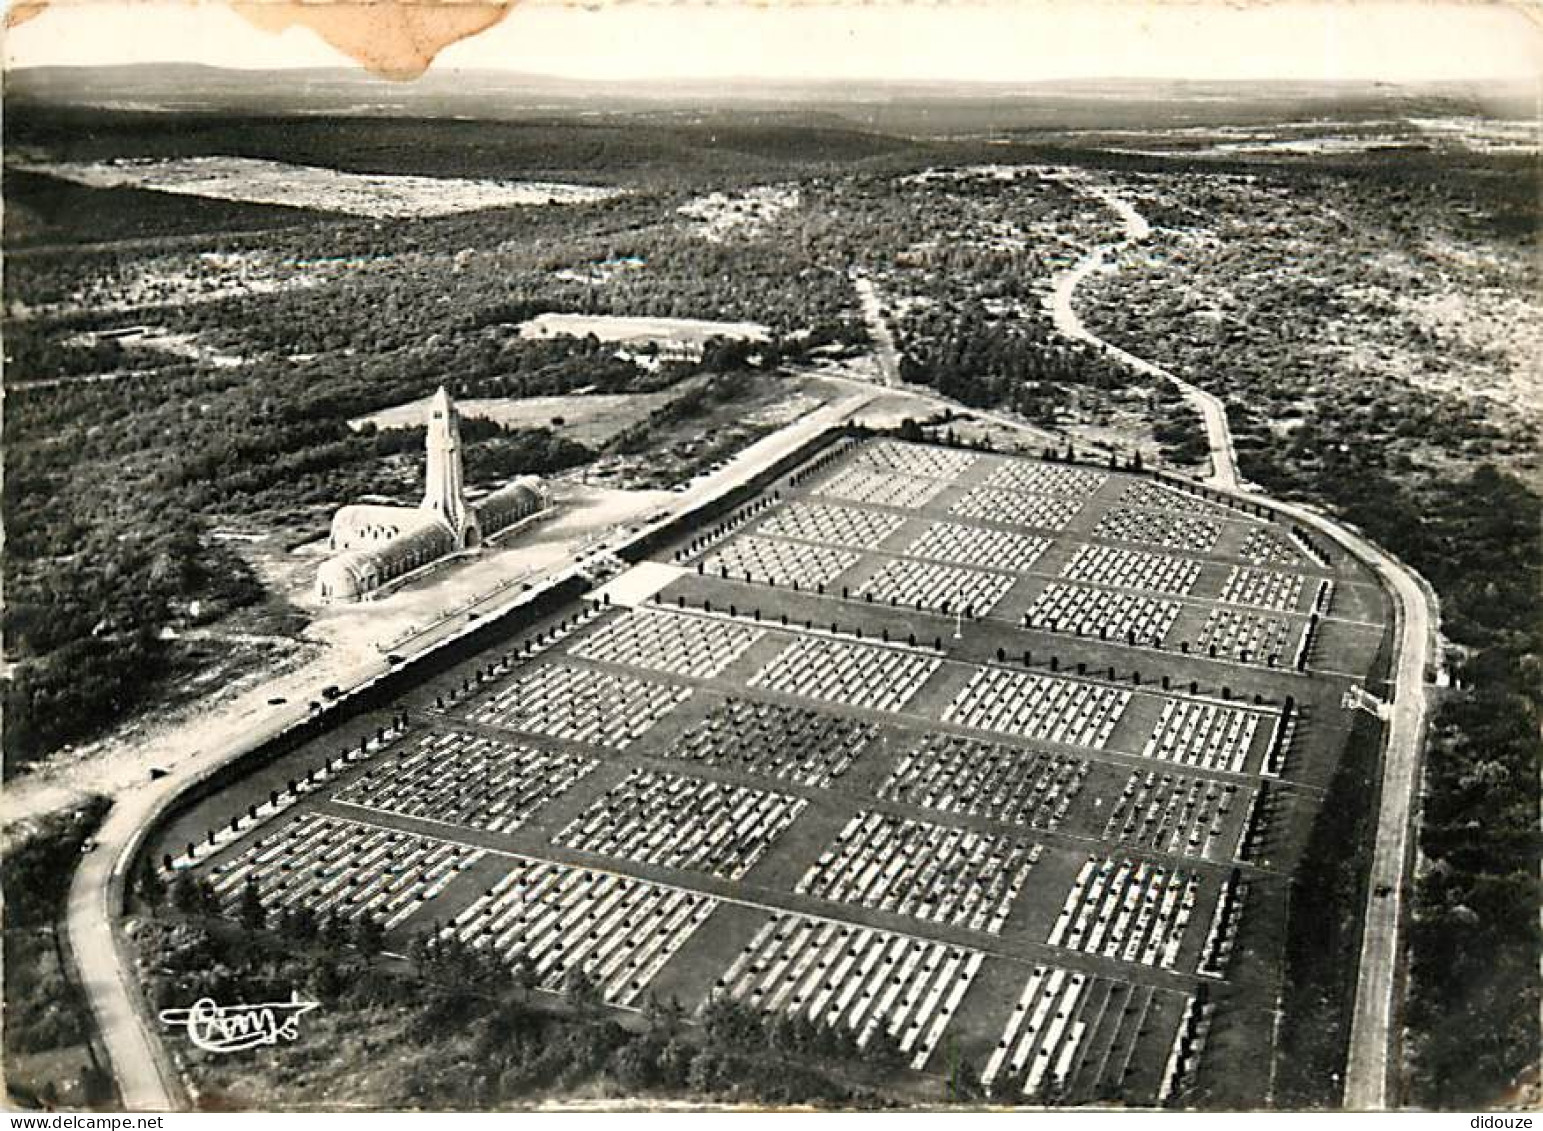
(804, 774)
(616, 328)
(255, 181)
(590, 419)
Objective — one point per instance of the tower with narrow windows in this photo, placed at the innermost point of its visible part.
(443, 491)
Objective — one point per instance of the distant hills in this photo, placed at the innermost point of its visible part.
(910, 107)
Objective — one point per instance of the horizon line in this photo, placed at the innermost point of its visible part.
(355, 71)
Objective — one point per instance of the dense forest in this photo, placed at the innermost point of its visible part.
(47, 1020)
(990, 362)
(1474, 941)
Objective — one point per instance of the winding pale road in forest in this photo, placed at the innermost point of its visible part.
(1376, 1017)
(1224, 460)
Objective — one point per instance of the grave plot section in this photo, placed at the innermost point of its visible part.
(1146, 495)
(922, 460)
(580, 704)
(1132, 569)
(328, 865)
(1194, 732)
(1046, 479)
(888, 489)
(977, 545)
(1267, 547)
(1176, 813)
(860, 675)
(1237, 634)
(469, 780)
(1262, 588)
(1189, 533)
(1012, 508)
(927, 585)
(554, 918)
(1108, 614)
(1127, 910)
(699, 647)
(957, 877)
(676, 821)
(986, 779)
(832, 525)
(1070, 1034)
(1040, 708)
(798, 744)
(866, 981)
(778, 560)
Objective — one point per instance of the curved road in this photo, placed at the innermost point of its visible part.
(1224, 460)
(1376, 1015)
(146, 1079)
(1375, 1020)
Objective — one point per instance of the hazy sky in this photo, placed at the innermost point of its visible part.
(995, 40)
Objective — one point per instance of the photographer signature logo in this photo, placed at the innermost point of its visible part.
(232, 1028)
